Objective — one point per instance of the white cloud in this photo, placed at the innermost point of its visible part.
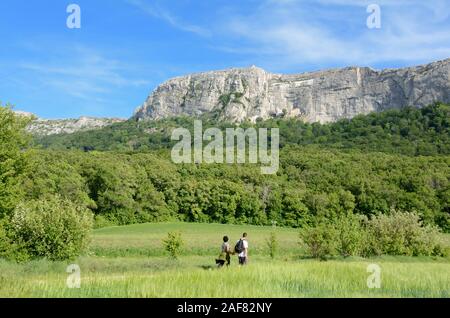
(293, 32)
(84, 74)
(156, 11)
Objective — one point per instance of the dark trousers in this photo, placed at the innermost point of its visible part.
(222, 262)
(242, 260)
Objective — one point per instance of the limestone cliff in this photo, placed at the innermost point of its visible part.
(46, 127)
(324, 96)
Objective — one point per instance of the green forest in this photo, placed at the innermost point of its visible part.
(398, 160)
(311, 183)
(371, 164)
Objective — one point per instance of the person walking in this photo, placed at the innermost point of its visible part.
(224, 257)
(242, 249)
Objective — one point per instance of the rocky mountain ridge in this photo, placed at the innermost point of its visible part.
(46, 127)
(323, 96)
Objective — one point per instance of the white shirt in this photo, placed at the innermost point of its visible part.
(245, 247)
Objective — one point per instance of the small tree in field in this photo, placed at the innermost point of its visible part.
(350, 235)
(320, 241)
(272, 244)
(173, 244)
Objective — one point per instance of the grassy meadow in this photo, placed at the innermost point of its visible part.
(130, 261)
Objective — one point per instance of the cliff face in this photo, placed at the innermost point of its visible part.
(324, 96)
(46, 127)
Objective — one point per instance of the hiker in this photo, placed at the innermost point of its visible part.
(242, 249)
(225, 253)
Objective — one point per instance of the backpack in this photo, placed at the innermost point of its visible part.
(239, 248)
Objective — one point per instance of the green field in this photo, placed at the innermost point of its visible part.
(131, 262)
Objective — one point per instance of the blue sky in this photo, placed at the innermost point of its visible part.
(125, 48)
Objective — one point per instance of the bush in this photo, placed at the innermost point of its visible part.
(272, 244)
(173, 244)
(5, 243)
(429, 242)
(350, 235)
(400, 233)
(54, 228)
(320, 240)
(8, 249)
(403, 233)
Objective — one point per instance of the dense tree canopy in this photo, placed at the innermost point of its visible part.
(312, 184)
(13, 159)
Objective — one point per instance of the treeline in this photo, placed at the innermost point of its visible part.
(312, 184)
(409, 131)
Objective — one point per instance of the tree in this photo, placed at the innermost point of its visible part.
(54, 228)
(272, 244)
(13, 158)
(173, 244)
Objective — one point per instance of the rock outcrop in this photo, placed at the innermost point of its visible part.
(324, 96)
(46, 127)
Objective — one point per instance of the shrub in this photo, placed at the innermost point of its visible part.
(320, 240)
(5, 243)
(54, 228)
(350, 235)
(8, 249)
(429, 242)
(403, 233)
(173, 244)
(272, 244)
(399, 233)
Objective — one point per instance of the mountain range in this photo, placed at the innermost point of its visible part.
(252, 94)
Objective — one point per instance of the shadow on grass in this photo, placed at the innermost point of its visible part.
(208, 267)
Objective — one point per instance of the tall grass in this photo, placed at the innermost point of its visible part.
(117, 267)
(261, 279)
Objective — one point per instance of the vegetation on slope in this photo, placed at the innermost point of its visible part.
(312, 183)
(408, 131)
